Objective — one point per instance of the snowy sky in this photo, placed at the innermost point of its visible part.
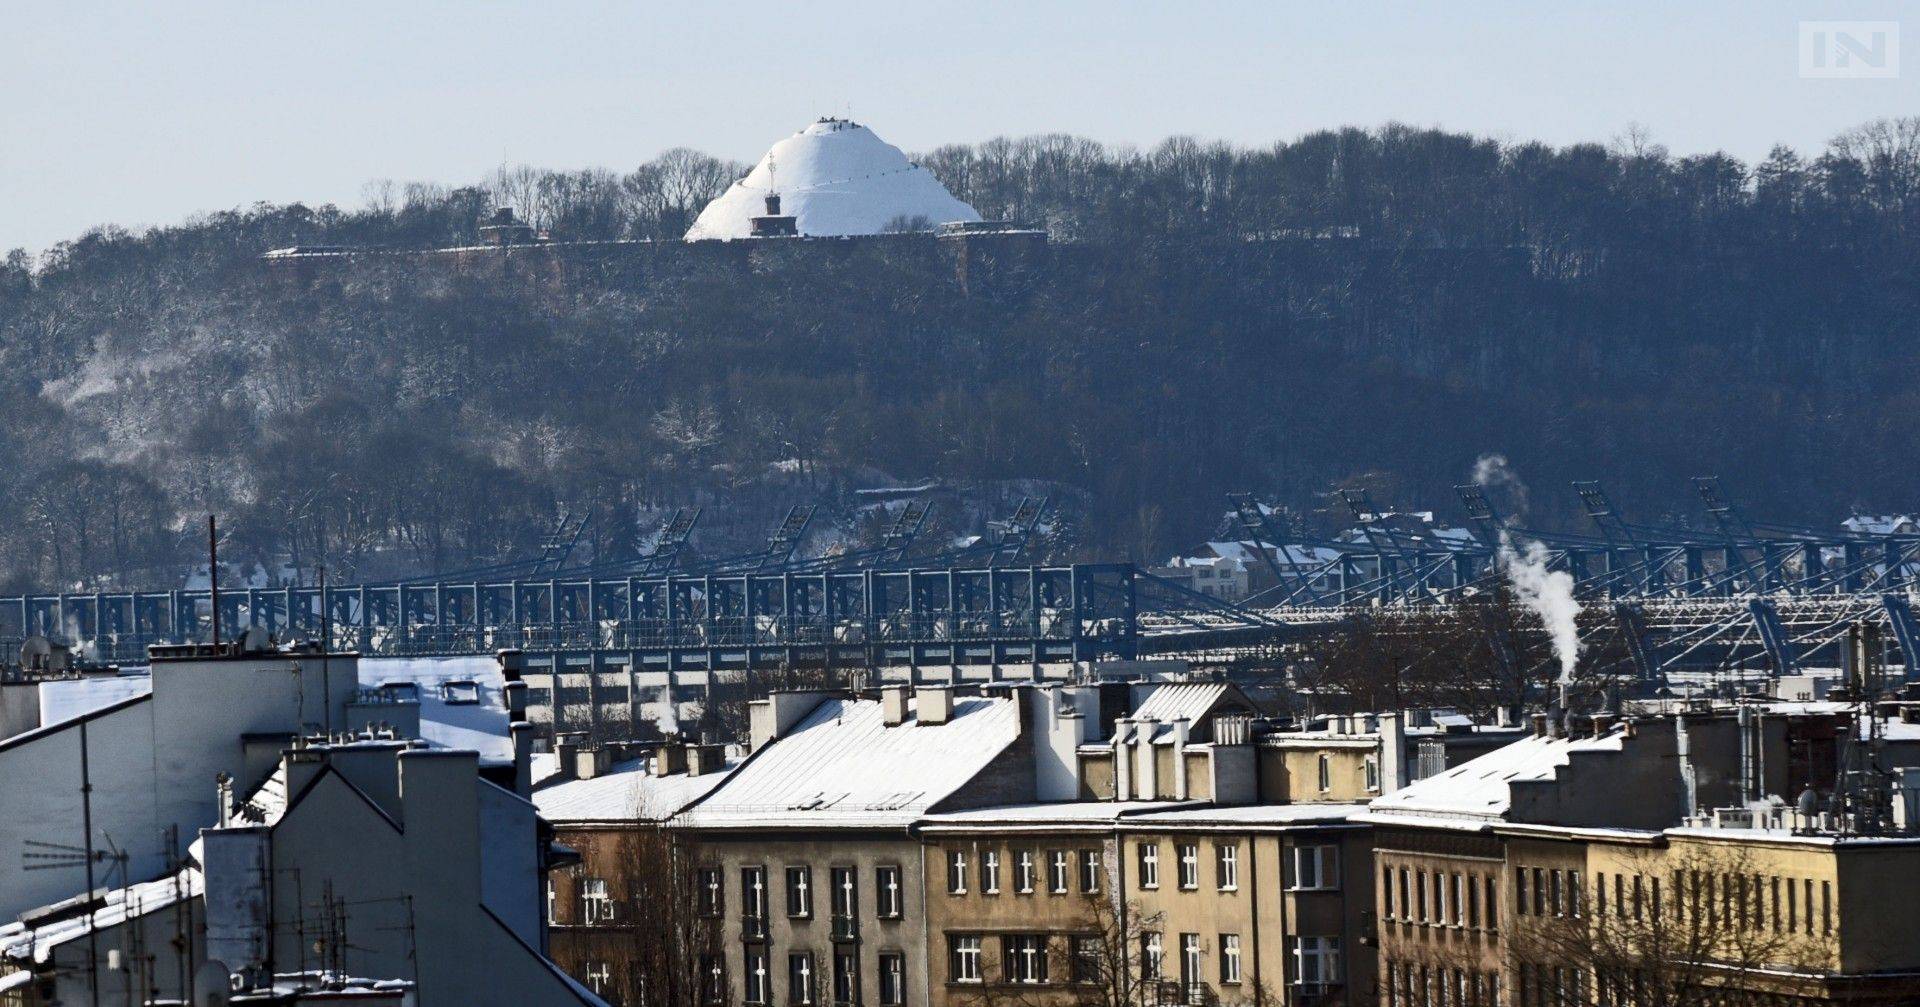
(141, 114)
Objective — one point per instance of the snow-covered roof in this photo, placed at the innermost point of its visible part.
(843, 766)
(66, 698)
(835, 178)
(1879, 524)
(627, 791)
(26, 944)
(448, 721)
(1479, 787)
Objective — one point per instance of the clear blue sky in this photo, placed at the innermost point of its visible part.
(143, 114)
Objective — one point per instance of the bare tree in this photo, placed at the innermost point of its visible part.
(1700, 927)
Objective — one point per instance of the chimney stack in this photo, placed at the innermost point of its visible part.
(934, 705)
(893, 705)
(1540, 725)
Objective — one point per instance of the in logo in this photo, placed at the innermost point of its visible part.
(1849, 48)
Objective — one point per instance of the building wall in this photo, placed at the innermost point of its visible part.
(820, 852)
(1290, 773)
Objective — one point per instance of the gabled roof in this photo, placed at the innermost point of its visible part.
(1189, 701)
(842, 766)
(627, 792)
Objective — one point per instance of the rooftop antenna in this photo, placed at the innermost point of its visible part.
(213, 578)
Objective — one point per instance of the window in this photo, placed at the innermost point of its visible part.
(709, 895)
(1086, 959)
(1316, 961)
(595, 905)
(1023, 872)
(1386, 892)
(893, 979)
(963, 958)
(758, 981)
(1057, 872)
(1151, 955)
(1316, 868)
(1023, 958)
(846, 977)
(956, 872)
(1326, 773)
(1089, 871)
(1520, 890)
(553, 902)
(753, 893)
(1226, 866)
(1229, 959)
(1190, 960)
(1189, 866)
(1493, 905)
(800, 977)
(1372, 770)
(886, 893)
(1149, 865)
(844, 898)
(799, 892)
(713, 979)
(990, 872)
(599, 977)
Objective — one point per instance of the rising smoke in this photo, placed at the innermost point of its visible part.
(1546, 593)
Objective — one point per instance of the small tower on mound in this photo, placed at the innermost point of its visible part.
(774, 224)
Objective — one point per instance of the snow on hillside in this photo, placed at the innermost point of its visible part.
(836, 178)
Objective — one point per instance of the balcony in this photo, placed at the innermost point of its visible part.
(753, 928)
(846, 928)
(1188, 994)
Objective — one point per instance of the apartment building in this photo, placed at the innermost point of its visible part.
(1585, 866)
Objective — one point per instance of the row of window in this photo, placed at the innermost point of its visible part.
(1026, 958)
(1743, 901)
(1308, 868)
(843, 891)
(1059, 867)
(1421, 985)
(801, 981)
(1439, 898)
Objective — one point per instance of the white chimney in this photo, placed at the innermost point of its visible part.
(933, 705)
(893, 705)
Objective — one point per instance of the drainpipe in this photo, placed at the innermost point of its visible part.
(1253, 904)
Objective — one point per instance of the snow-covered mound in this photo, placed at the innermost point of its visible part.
(835, 178)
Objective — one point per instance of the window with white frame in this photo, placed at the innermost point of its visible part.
(753, 893)
(846, 977)
(1326, 773)
(1316, 961)
(844, 897)
(887, 896)
(1023, 872)
(1149, 865)
(1314, 868)
(990, 872)
(1189, 866)
(1023, 958)
(963, 958)
(799, 892)
(1152, 955)
(1372, 770)
(800, 977)
(1089, 871)
(759, 983)
(956, 872)
(599, 976)
(713, 979)
(1057, 871)
(595, 905)
(893, 979)
(707, 893)
(553, 901)
(1229, 959)
(1226, 866)
(1190, 960)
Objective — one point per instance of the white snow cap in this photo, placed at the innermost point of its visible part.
(836, 178)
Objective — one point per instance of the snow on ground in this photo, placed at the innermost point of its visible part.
(835, 178)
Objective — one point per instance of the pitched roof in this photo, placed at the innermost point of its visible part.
(447, 721)
(626, 792)
(843, 766)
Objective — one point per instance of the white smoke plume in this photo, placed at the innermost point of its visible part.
(1546, 593)
(668, 720)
